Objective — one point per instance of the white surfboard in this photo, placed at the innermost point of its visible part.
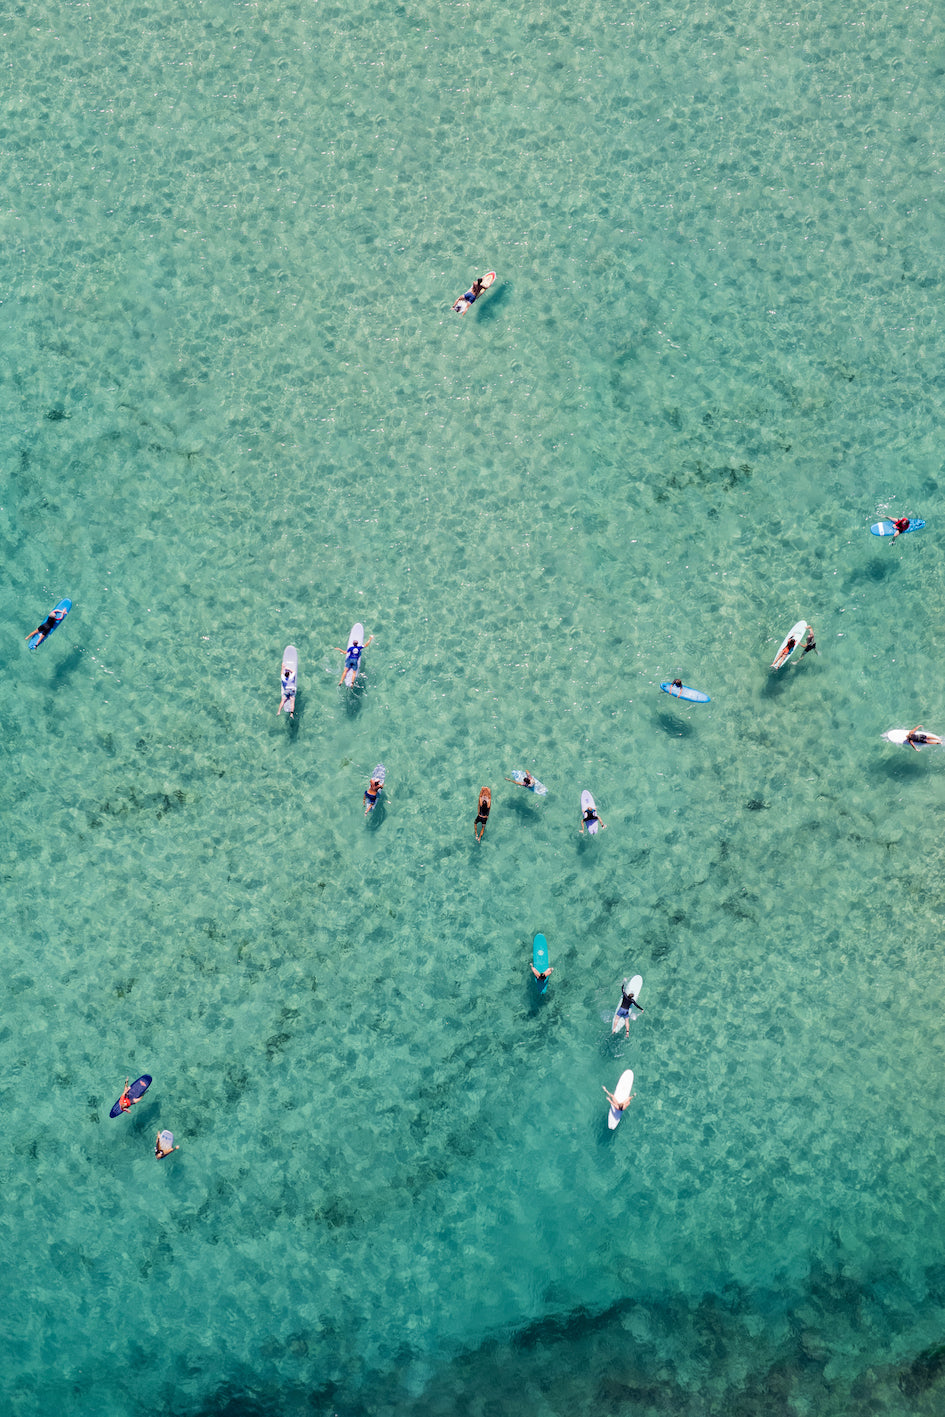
(796, 633)
(622, 1091)
(896, 735)
(290, 661)
(357, 634)
(586, 802)
(634, 987)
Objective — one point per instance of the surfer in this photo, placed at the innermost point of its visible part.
(627, 1002)
(164, 1145)
(901, 524)
(50, 623)
(677, 683)
(544, 973)
(352, 656)
(126, 1101)
(485, 803)
(810, 642)
(289, 683)
(371, 793)
(589, 817)
(918, 738)
(471, 296)
(618, 1106)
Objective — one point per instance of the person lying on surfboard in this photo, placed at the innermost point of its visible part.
(627, 1002)
(618, 1106)
(352, 656)
(471, 296)
(590, 815)
(50, 623)
(126, 1101)
(918, 738)
(485, 803)
(289, 683)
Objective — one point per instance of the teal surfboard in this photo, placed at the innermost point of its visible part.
(540, 959)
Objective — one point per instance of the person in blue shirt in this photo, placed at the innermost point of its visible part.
(352, 656)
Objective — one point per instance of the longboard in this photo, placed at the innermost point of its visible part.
(694, 696)
(796, 633)
(518, 776)
(290, 661)
(622, 1091)
(357, 633)
(60, 610)
(588, 801)
(540, 960)
(888, 528)
(137, 1089)
(636, 984)
(462, 304)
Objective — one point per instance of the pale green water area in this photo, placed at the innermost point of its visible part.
(237, 412)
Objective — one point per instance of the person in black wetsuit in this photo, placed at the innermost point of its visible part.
(50, 623)
(810, 642)
(627, 1002)
(482, 816)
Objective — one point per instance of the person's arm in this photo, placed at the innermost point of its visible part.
(367, 641)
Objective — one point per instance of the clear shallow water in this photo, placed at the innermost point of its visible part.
(237, 412)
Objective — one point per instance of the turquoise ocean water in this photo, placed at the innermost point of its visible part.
(237, 412)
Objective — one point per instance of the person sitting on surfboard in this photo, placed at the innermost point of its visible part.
(164, 1145)
(352, 656)
(50, 623)
(918, 737)
(544, 973)
(618, 1106)
(485, 802)
(126, 1101)
(627, 1002)
(901, 524)
(289, 683)
(588, 816)
(370, 794)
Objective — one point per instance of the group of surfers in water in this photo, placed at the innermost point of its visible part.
(588, 815)
(290, 680)
(164, 1141)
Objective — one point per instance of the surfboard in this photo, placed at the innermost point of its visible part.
(588, 801)
(887, 528)
(622, 1091)
(290, 661)
(901, 735)
(378, 775)
(694, 696)
(540, 960)
(462, 304)
(797, 633)
(518, 776)
(636, 984)
(357, 633)
(137, 1089)
(60, 610)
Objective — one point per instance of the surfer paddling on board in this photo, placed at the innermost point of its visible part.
(126, 1101)
(289, 685)
(627, 1002)
(482, 816)
(471, 296)
(49, 624)
(618, 1106)
(352, 656)
(918, 738)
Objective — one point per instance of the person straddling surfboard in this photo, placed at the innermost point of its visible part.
(901, 524)
(164, 1145)
(371, 792)
(544, 973)
(49, 624)
(618, 1106)
(482, 816)
(627, 1002)
(589, 817)
(352, 656)
(289, 686)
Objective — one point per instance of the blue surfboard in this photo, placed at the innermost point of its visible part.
(694, 696)
(60, 611)
(137, 1089)
(540, 959)
(887, 528)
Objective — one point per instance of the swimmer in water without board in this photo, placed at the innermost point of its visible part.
(485, 803)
